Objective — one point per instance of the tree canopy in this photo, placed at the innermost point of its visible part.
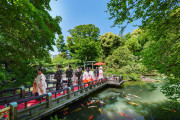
(61, 46)
(83, 43)
(27, 31)
(110, 42)
(161, 20)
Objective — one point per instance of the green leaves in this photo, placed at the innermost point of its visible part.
(147, 10)
(83, 43)
(27, 32)
(110, 42)
(60, 44)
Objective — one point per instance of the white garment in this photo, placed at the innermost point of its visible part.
(91, 75)
(39, 84)
(86, 75)
(100, 74)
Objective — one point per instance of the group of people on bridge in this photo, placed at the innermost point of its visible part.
(39, 85)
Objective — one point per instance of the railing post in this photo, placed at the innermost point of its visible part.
(91, 85)
(96, 84)
(49, 100)
(82, 88)
(13, 111)
(101, 82)
(69, 92)
(22, 92)
(121, 78)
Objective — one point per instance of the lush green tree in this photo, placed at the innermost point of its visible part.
(151, 12)
(27, 32)
(120, 57)
(61, 46)
(83, 43)
(110, 42)
(135, 41)
(161, 19)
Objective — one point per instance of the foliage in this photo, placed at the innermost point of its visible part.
(149, 11)
(134, 76)
(119, 58)
(27, 32)
(163, 55)
(83, 43)
(110, 42)
(61, 46)
(171, 88)
(64, 61)
(55, 118)
(160, 18)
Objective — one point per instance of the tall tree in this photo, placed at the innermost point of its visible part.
(27, 31)
(83, 43)
(110, 42)
(61, 46)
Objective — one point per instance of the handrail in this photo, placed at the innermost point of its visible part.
(41, 96)
(51, 102)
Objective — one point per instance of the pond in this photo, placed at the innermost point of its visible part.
(134, 101)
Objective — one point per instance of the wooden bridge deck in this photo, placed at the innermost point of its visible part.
(30, 108)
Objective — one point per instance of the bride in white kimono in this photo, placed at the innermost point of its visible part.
(39, 85)
(100, 72)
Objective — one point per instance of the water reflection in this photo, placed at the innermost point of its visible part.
(137, 101)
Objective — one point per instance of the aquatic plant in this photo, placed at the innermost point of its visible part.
(55, 118)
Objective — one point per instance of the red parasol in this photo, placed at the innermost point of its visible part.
(99, 63)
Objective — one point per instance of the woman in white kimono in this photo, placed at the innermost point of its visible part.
(91, 75)
(100, 72)
(39, 85)
(85, 76)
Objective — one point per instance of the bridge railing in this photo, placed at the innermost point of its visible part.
(52, 99)
(23, 92)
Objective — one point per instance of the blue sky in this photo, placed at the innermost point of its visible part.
(79, 12)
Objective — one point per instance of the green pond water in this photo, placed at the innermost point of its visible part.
(134, 101)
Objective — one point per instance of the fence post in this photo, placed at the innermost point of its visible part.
(49, 100)
(69, 92)
(82, 88)
(95, 84)
(13, 111)
(22, 92)
(91, 85)
(101, 81)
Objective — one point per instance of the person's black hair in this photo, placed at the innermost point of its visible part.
(40, 69)
(59, 66)
(70, 66)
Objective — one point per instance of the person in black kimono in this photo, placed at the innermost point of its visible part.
(96, 73)
(78, 74)
(58, 77)
(69, 75)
